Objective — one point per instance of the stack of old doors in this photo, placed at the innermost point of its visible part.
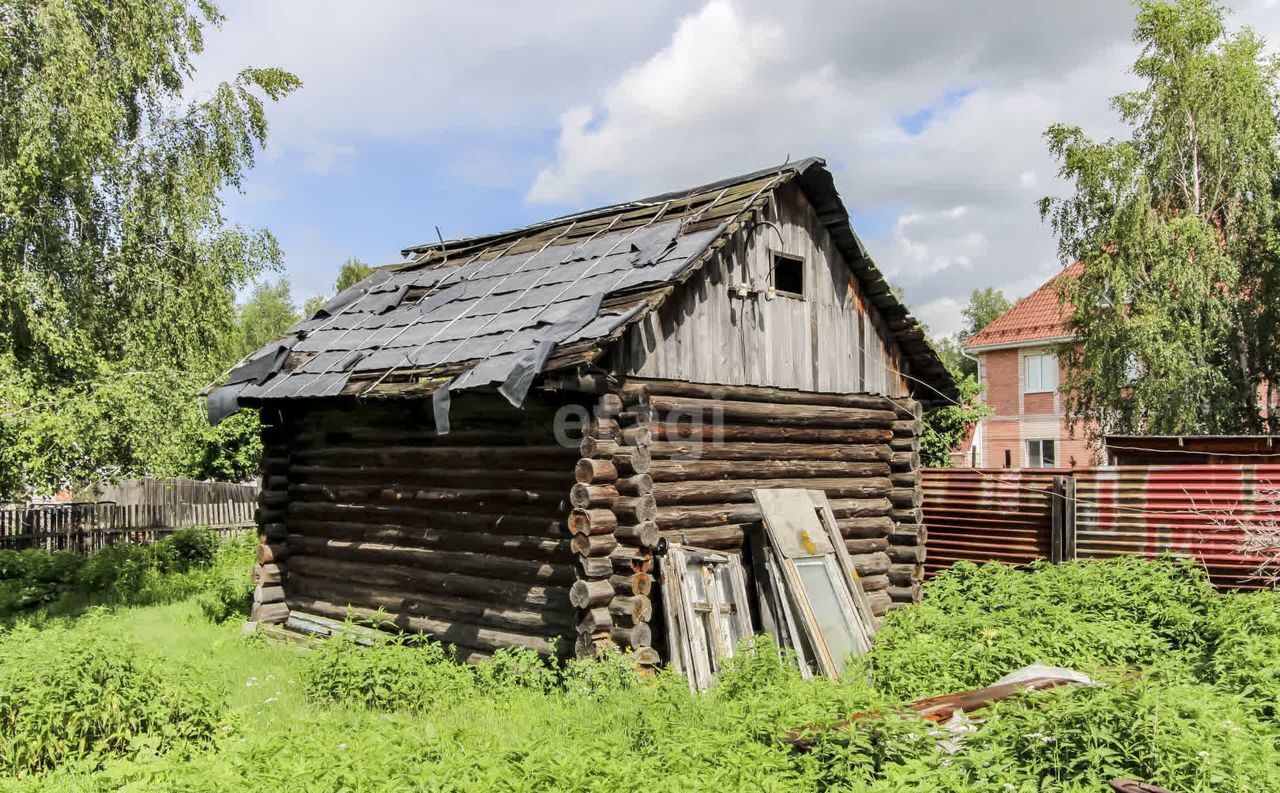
(807, 592)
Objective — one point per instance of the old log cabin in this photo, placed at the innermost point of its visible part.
(488, 440)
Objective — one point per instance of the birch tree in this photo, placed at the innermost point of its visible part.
(1176, 224)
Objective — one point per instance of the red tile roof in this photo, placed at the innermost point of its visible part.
(1036, 316)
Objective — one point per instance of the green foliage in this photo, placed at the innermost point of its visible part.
(398, 714)
(979, 622)
(945, 428)
(985, 306)
(1246, 654)
(266, 315)
(187, 562)
(1175, 225)
(85, 694)
(118, 270)
(352, 272)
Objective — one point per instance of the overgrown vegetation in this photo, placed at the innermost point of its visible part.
(1186, 699)
(188, 561)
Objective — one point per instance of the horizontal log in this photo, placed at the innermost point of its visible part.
(771, 414)
(631, 460)
(269, 612)
(513, 545)
(641, 535)
(595, 567)
(460, 633)
(905, 461)
(501, 473)
(635, 509)
(716, 538)
(526, 619)
(707, 434)
(907, 408)
(595, 620)
(710, 470)
(644, 656)
(608, 405)
(637, 435)
(273, 498)
(879, 603)
(604, 428)
(269, 553)
(739, 491)
(584, 496)
(637, 390)
(412, 579)
(592, 521)
(908, 479)
(488, 565)
(913, 554)
(267, 574)
(635, 485)
(865, 452)
(909, 535)
(272, 532)
(457, 498)
(907, 428)
(904, 445)
(275, 482)
(906, 497)
(595, 472)
(634, 584)
(262, 516)
(905, 594)
(636, 608)
(907, 515)
(590, 594)
(692, 517)
(868, 564)
(863, 528)
(627, 560)
(638, 635)
(867, 544)
(874, 583)
(518, 456)
(480, 521)
(905, 574)
(268, 593)
(594, 544)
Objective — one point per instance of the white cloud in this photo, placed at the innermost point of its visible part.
(739, 85)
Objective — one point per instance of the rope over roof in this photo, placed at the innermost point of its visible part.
(503, 308)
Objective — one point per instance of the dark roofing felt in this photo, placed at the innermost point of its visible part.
(502, 308)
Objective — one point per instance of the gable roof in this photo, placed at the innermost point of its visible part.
(502, 308)
(1037, 317)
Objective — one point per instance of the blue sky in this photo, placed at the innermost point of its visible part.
(481, 116)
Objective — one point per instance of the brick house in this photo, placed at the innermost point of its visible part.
(1017, 363)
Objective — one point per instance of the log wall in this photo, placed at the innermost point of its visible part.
(462, 536)
(710, 446)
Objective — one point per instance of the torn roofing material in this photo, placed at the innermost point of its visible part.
(502, 308)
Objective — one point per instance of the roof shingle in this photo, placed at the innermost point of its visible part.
(1037, 316)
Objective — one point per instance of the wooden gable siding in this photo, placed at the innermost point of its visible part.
(832, 341)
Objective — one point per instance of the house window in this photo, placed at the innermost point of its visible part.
(1041, 454)
(1041, 373)
(788, 275)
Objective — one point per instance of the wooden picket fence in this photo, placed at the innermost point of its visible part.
(83, 527)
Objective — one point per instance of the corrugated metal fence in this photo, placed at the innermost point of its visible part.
(1198, 511)
(88, 526)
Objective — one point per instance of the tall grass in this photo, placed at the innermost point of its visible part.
(1182, 703)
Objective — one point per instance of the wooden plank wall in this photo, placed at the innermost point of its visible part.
(462, 536)
(832, 341)
(710, 446)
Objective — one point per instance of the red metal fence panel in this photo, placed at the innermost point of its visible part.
(1203, 512)
(978, 515)
(1198, 511)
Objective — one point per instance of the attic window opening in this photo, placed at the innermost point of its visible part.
(788, 275)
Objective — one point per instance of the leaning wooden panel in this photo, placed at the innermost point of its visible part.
(813, 578)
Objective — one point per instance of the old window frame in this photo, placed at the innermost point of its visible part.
(704, 601)
(793, 265)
